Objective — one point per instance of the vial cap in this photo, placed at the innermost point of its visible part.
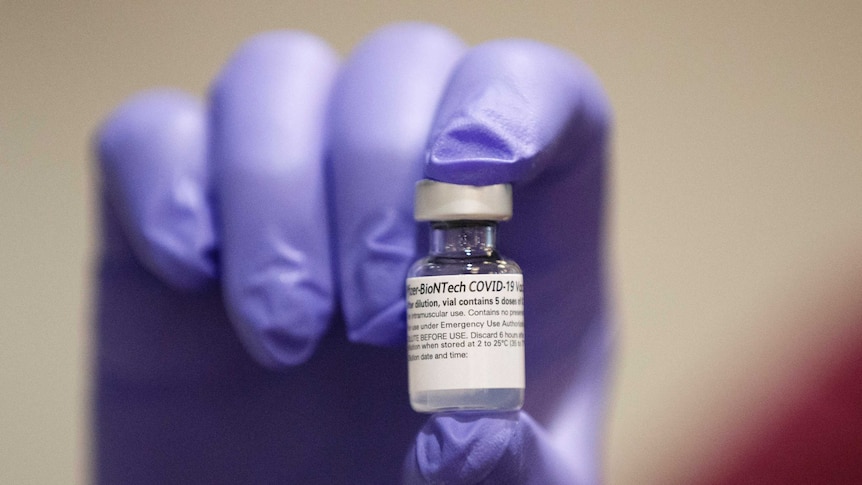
(440, 201)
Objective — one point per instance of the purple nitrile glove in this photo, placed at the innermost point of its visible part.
(282, 215)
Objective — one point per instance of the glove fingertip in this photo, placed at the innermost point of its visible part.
(277, 343)
(152, 156)
(508, 105)
(280, 314)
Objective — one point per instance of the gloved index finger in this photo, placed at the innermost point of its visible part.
(523, 112)
(267, 121)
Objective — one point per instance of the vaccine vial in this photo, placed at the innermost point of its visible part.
(465, 304)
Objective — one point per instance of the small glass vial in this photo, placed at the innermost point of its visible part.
(465, 305)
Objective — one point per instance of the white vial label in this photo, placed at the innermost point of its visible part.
(465, 332)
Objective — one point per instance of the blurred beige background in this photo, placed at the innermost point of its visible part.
(736, 215)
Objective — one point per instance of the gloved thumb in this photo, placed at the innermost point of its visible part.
(474, 448)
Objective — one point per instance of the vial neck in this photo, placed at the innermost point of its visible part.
(463, 239)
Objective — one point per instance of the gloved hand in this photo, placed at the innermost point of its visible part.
(281, 213)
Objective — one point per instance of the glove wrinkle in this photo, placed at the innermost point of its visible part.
(387, 251)
(490, 137)
(282, 344)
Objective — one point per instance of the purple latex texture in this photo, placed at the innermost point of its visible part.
(250, 314)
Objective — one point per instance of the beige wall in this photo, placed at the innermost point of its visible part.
(736, 203)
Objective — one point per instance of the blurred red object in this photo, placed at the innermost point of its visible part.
(816, 439)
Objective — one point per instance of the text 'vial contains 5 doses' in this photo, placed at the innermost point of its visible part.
(465, 304)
